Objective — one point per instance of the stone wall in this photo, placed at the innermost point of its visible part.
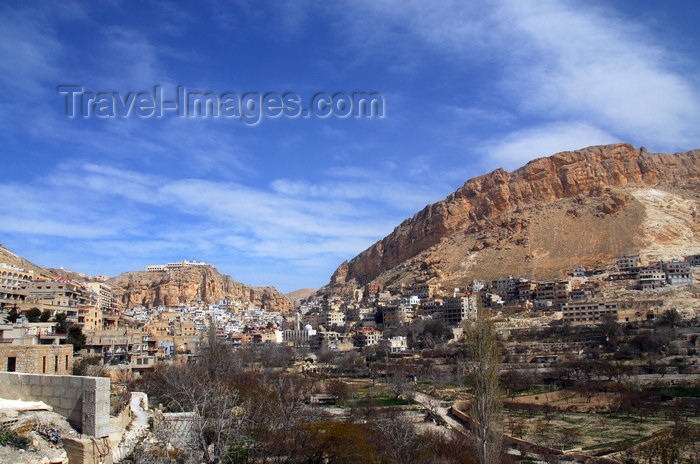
(83, 401)
(38, 359)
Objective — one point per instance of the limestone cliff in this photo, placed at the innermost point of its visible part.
(578, 207)
(187, 285)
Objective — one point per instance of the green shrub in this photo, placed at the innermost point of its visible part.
(11, 438)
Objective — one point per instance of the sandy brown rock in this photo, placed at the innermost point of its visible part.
(192, 285)
(494, 212)
(8, 257)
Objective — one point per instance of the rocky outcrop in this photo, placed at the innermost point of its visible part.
(191, 285)
(483, 202)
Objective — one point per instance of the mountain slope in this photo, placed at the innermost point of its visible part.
(580, 207)
(8, 257)
(301, 294)
(193, 284)
(167, 288)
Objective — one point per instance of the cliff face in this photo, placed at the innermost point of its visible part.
(192, 285)
(600, 174)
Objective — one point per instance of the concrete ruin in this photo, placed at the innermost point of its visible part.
(83, 401)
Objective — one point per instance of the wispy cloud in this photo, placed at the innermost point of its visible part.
(556, 66)
(470, 86)
(155, 214)
(522, 146)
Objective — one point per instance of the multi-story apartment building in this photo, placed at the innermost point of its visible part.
(588, 312)
(456, 309)
(184, 329)
(332, 319)
(431, 306)
(627, 263)
(652, 277)
(525, 290)
(394, 344)
(424, 290)
(133, 347)
(34, 348)
(557, 291)
(397, 315)
(365, 337)
(371, 290)
(357, 313)
(13, 285)
(504, 286)
(678, 273)
(66, 296)
(507, 287)
(105, 297)
(174, 266)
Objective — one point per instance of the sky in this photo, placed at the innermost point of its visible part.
(466, 87)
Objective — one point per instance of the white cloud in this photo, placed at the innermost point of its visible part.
(551, 63)
(522, 146)
(137, 213)
(589, 64)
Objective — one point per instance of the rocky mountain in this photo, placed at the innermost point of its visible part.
(167, 288)
(192, 284)
(68, 274)
(582, 207)
(299, 295)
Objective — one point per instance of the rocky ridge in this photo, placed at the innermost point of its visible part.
(190, 285)
(577, 207)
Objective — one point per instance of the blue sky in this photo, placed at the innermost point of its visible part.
(468, 87)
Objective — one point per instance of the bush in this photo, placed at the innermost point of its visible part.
(11, 438)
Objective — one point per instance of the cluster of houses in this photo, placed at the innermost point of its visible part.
(372, 315)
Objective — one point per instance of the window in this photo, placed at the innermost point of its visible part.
(66, 362)
(11, 364)
(43, 369)
(55, 366)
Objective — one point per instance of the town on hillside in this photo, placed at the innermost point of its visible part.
(575, 342)
(138, 337)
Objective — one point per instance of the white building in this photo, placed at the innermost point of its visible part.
(175, 266)
(678, 273)
(394, 344)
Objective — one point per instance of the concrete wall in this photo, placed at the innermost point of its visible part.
(84, 401)
(38, 359)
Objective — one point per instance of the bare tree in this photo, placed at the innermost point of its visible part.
(397, 381)
(208, 398)
(485, 409)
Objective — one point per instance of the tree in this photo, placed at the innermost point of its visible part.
(379, 316)
(612, 330)
(671, 318)
(338, 390)
(62, 325)
(45, 316)
(12, 316)
(397, 383)
(77, 338)
(205, 389)
(485, 409)
(33, 315)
